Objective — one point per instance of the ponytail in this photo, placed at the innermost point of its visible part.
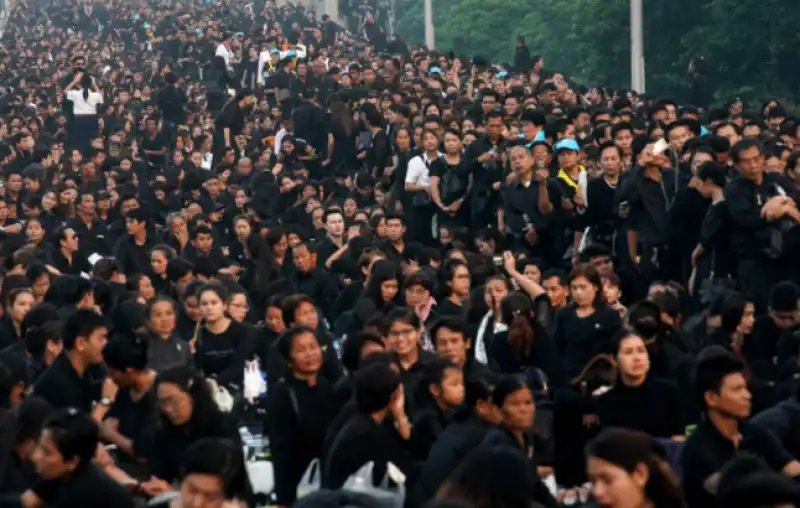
(520, 336)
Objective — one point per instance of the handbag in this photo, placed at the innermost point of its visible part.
(712, 288)
(311, 480)
(391, 493)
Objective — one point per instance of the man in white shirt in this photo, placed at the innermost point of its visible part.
(224, 50)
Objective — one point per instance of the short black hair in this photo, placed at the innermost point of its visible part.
(81, 323)
(713, 366)
(125, 352)
(74, 433)
(745, 144)
(375, 386)
(453, 323)
(563, 277)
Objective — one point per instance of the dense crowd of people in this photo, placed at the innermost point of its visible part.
(235, 235)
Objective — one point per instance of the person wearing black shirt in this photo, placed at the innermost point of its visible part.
(67, 382)
(188, 415)
(68, 257)
(334, 239)
(364, 438)
(486, 157)
(312, 123)
(18, 473)
(133, 414)
(133, 249)
(64, 462)
(404, 337)
(314, 281)
(91, 230)
(221, 345)
(600, 215)
(231, 122)
(171, 101)
(529, 202)
(441, 393)
(450, 180)
(721, 389)
(304, 400)
(640, 401)
(761, 205)
(154, 143)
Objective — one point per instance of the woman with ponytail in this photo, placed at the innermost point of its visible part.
(85, 97)
(628, 469)
(525, 343)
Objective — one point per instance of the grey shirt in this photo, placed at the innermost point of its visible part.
(164, 354)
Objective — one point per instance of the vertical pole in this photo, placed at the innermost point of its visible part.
(430, 39)
(637, 46)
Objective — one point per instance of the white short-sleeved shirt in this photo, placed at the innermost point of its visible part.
(83, 106)
(418, 172)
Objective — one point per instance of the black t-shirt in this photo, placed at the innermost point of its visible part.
(136, 418)
(87, 487)
(156, 143)
(61, 386)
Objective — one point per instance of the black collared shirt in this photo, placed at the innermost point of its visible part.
(707, 451)
(61, 386)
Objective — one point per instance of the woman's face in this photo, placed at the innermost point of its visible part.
(211, 306)
(582, 291)
(306, 315)
(176, 404)
(494, 293)
(275, 319)
(452, 143)
(389, 289)
(614, 487)
(350, 207)
(243, 229)
(633, 358)
(192, 307)
(281, 247)
(518, 409)
(403, 140)
(21, 306)
(460, 281)
(162, 318)
(611, 292)
(34, 232)
(468, 125)
(429, 142)
(241, 199)
(451, 391)
(158, 262)
(238, 307)
(40, 287)
(145, 288)
(403, 338)
(306, 355)
(748, 319)
(49, 200)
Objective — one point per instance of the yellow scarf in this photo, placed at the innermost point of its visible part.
(562, 175)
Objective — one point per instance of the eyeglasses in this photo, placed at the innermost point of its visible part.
(406, 332)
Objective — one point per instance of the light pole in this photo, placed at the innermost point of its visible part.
(429, 35)
(637, 47)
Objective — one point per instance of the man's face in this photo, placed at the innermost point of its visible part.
(303, 259)
(488, 103)
(133, 226)
(204, 242)
(678, 137)
(733, 399)
(568, 158)
(556, 292)
(70, 240)
(611, 161)
(494, 127)
(727, 131)
(624, 139)
(751, 163)
(334, 223)
(395, 229)
(521, 161)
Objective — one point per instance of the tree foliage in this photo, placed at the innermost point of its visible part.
(751, 47)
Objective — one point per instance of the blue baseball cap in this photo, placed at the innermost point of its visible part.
(502, 74)
(567, 144)
(274, 51)
(435, 70)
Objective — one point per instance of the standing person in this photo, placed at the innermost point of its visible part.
(418, 188)
(232, 119)
(312, 123)
(301, 409)
(486, 157)
(628, 468)
(450, 183)
(85, 96)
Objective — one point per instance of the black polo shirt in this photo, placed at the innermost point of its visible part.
(87, 487)
(707, 451)
(61, 386)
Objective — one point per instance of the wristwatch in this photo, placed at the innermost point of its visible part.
(105, 401)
